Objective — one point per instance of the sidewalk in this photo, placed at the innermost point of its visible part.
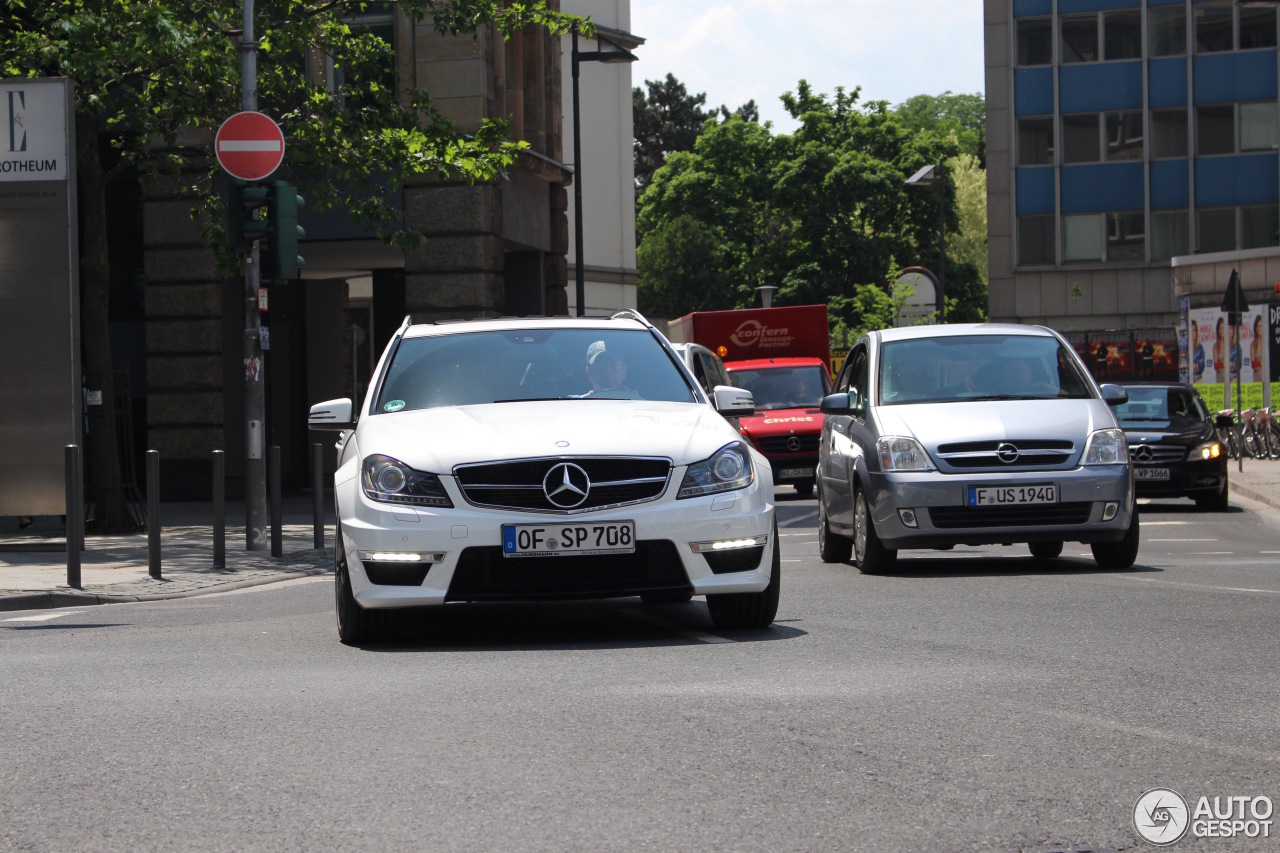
(33, 562)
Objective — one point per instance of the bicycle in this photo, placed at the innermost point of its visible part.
(1227, 424)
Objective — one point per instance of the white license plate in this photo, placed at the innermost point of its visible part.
(1044, 493)
(554, 540)
(788, 473)
(1150, 473)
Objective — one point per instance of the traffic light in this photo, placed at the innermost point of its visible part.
(242, 204)
(280, 259)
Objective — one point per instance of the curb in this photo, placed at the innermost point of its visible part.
(70, 598)
(1252, 494)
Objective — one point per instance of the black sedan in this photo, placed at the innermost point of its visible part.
(1173, 444)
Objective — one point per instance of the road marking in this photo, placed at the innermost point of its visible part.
(687, 633)
(806, 533)
(1161, 523)
(1269, 552)
(1186, 585)
(43, 617)
(1182, 540)
(793, 561)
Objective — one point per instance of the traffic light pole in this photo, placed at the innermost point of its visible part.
(255, 404)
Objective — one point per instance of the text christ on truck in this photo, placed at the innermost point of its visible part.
(783, 357)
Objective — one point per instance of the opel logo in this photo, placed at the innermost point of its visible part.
(793, 444)
(1007, 453)
(1142, 453)
(566, 485)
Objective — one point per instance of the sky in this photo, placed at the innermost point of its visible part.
(739, 50)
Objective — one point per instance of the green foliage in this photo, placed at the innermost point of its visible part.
(820, 213)
(964, 115)
(682, 269)
(969, 244)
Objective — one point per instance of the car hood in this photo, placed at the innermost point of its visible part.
(784, 422)
(943, 423)
(435, 440)
(1165, 432)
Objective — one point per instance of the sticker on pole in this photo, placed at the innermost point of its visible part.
(249, 146)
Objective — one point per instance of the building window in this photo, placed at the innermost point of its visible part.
(1082, 238)
(1080, 142)
(1126, 237)
(1169, 133)
(1217, 227)
(1170, 234)
(1035, 41)
(1080, 39)
(1260, 226)
(1035, 240)
(1258, 127)
(1122, 34)
(1035, 142)
(1213, 27)
(1124, 136)
(1257, 27)
(1167, 30)
(1215, 130)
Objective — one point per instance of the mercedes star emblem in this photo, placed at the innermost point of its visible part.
(566, 485)
(793, 444)
(1142, 453)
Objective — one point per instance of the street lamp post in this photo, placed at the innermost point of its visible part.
(929, 176)
(614, 54)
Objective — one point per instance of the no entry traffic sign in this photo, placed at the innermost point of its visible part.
(249, 146)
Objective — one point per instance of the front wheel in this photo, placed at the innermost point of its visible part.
(869, 553)
(1046, 550)
(355, 624)
(1220, 502)
(750, 609)
(805, 489)
(1118, 555)
(832, 547)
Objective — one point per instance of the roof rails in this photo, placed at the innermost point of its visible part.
(630, 314)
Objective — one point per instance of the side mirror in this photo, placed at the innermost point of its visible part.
(333, 414)
(1222, 421)
(836, 404)
(1114, 395)
(733, 402)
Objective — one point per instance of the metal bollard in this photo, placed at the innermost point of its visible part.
(317, 494)
(153, 513)
(219, 510)
(75, 515)
(273, 476)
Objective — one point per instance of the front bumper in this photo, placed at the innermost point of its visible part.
(786, 467)
(1186, 479)
(943, 518)
(463, 547)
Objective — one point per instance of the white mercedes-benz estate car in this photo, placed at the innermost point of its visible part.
(546, 459)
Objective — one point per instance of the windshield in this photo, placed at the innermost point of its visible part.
(785, 387)
(1167, 405)
(978, 367)
(540, 364)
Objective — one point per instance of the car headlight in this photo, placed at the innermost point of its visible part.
(902, 453)
(1106, 447)
(728, 468)
(391, 481)
(1209, 450)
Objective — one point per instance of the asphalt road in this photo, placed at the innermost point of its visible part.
(976, 699)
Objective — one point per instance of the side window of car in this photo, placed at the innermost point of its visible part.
(715, 371)
(700, 371)
(858, 379)
(842, 378)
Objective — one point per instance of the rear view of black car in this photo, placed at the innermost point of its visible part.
(1173, 444)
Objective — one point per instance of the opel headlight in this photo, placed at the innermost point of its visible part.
(1106, 447)
(728, 468)
(902, 453)
(390, 481)
(1209, 450)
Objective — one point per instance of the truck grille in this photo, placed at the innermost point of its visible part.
(779, 444)
(1010, 516)
(518, 485)
(483, 574)
(1028, 453)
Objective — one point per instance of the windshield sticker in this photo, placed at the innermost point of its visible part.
(393, 406)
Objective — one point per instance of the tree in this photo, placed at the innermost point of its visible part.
(149, 71)
(965, 115)
(682, 269)
(666, 120)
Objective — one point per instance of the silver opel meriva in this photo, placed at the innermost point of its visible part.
(972, 435)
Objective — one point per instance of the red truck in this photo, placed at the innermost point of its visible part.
(783, 357)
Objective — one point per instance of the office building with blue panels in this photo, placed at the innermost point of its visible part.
(1124, 134)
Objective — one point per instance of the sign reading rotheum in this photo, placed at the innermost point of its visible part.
(33, 136)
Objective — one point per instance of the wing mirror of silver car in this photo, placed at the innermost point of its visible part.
(1115, 395)
(733, 402)
(838, 404)
(332, 414)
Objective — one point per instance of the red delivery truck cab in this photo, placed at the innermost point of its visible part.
(783, 357)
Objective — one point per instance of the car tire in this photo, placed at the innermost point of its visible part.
(1220, 502)
(805, 489)
(750, 609)
(1118, 555)
(355, 624)
(832, 547)
(1046, 550)
(677, 597)
(869, 553)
